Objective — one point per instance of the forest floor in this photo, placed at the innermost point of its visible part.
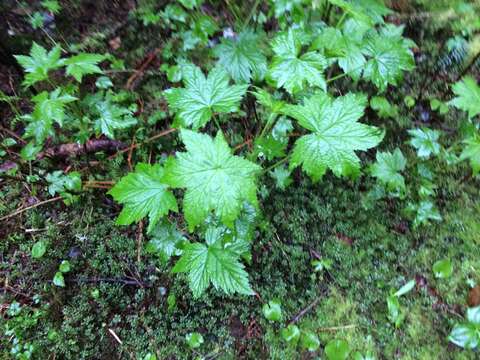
(121, 302)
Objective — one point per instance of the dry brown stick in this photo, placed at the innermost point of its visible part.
(146, 63)
(74, 149)
(304, 311)
(15, 213)
(242, 145)
(139, 240)
(337, 328)
(134, 146)
(12, 134)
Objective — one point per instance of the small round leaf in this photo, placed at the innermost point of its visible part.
(291, 334)
(194, 340)
(337, 350)
(309, 341)
(443, 268)
(273, 310)
(38, 249)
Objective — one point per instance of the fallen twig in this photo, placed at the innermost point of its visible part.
(304, 311)
(15, 213)
(337, 328)
(74, 149)
(138, 73)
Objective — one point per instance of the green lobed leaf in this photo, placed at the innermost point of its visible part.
(425, 141)
(344, 47)
(203, 96)
(471, 152)
(50, 107)
(112, 117)
(83, 64)
(387, 169)
(336, 134)
(383, 108)
(291, 70)
(213, 264)
(467, 97)
(242, 57)
(281, 175)
(388, 58)
(144, 192)
(39, 63)
(165, 240)
(215, 180)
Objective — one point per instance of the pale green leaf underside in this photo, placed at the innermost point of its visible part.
(212, 264)
(215, 180)
(143, 193)
(195, 104)
(467, 96)
(335, 137)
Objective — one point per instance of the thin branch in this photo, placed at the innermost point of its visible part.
(30, 207)
(304, 311)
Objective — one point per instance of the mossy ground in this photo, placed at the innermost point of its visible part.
(372, 253)
(116, 289)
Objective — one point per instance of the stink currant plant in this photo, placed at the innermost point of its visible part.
(207, 185)
(219, 188)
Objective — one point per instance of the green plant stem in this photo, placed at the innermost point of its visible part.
(270, 122)
(217, 124)
(280, 162)
(250, 15)
(340, 22)
(339, 76)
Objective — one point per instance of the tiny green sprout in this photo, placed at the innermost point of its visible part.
(273, 310)
(337, 350)
(437, 105)
(443, 268)
(359, 356)
(290, 334)
(150, 356)
(395, 313)
(58, 279)
(409, 101)
(103, 82)
(309, 341)
(39, 249)
(405, 288)
(194, 340)
(171, 302)
(95, 293)
(323, 264)
(64, 266)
